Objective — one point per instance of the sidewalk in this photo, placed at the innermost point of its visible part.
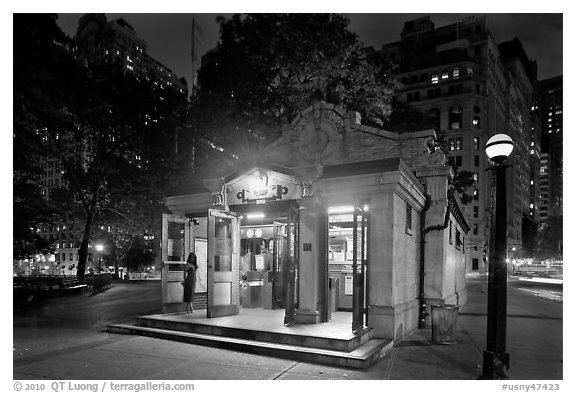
(534, 344)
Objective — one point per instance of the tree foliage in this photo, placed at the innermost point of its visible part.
(112, 135)
(43, 75)
(267, 67)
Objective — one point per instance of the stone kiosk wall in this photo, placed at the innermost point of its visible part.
(326, 157)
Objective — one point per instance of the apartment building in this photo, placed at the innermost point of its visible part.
(472, 88)
(551, 108)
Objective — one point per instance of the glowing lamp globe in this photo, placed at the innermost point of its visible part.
(499, 147)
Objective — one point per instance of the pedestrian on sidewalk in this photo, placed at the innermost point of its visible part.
(190, 281)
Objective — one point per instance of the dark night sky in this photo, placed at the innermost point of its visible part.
(168, 36)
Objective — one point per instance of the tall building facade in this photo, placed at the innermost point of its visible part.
(472, 88)
(550, 106)
(99, 41)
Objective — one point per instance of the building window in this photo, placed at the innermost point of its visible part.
(458, 239)
(456, 73)
(455, 117)
(434, 78)
(416, 96)
(408, 219)
(474, 263)
(409, 97)
(434, 115)
(444, 75)
(476, 211)
(475, 194)
(476, 121)
(475, 229)
(424, 78)
(476, 143)
(476, 160)
(475, 177)
(458, 160)
(455, 144)
(450, 233)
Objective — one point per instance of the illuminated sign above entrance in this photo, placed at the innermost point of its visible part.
(265, 193)
(261, 186)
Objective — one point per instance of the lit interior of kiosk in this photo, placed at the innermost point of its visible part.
(262, 251)
(340, 255)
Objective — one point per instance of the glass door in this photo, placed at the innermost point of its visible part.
(359, 265)
(279, 240)
(290, 271)
(223, 263)
(177, 240)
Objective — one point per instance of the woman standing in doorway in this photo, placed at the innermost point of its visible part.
(190, 281)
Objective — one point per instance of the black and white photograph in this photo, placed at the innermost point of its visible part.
(320, 193)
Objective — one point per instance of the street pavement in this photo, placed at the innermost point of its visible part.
(56, 346)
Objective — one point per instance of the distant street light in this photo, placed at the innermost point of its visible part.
(99, 247)
(495, 360)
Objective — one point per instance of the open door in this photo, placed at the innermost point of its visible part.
(359, 264)
(177, 240)
(291, 265)
(278, 256)
(223, 263)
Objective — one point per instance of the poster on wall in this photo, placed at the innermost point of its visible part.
(348, 284)
(201, 250)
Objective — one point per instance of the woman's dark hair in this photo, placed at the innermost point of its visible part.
(192, 259)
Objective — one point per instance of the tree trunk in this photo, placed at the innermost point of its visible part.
(90, 210)
(83, 251)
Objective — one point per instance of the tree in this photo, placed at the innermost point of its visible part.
(113, 136)
(43, 74)
(267, 67)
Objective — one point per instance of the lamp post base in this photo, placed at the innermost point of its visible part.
(495, 365)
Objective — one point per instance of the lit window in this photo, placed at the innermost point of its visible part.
(444, 75)
(476, 143)
(456, 73)
(434, 78)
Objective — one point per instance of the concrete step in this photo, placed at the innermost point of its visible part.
(361, 357)
(345, 344)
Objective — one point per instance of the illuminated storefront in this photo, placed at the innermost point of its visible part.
(328, 220)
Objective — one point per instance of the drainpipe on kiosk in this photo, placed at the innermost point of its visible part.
(423, 231)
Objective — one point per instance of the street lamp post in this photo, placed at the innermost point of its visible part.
(495, 359)
(99, 247)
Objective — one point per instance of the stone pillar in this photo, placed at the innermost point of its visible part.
(381, 287)
(312, 252)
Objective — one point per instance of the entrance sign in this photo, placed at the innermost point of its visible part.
(223, 263)
(260, 186)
